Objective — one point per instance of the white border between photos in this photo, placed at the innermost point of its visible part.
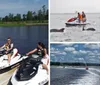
(49, 36)
(70, 42)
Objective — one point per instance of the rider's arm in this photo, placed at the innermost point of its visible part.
(3, 46)
(45, 51)
(31, 51)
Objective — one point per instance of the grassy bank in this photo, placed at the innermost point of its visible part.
(23, 23)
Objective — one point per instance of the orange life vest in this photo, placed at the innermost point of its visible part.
(80, 17)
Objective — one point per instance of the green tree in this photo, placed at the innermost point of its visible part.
(29, 15)
(6, 18)
(43, 11)
(24, 17)
(0, 19)
(11, 16)
(15, 18)
(46, 16)
(33, 15)
(18, 17)
(40, 15)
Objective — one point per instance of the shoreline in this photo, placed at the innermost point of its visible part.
(21, 24)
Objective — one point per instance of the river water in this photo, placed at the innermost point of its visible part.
(75, 76)
(25, 38)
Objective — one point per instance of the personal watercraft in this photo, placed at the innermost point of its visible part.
(75, 22)
(30, 72)
(16, 59)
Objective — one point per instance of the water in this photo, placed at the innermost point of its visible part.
(25, 38)
(75, 34)
(75, 76)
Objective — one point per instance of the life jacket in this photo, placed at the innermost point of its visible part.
(80, 17)
(6, 47)
(40, 52)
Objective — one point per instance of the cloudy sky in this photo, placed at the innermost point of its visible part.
(89, 53)
(20, 6)
(71, 6)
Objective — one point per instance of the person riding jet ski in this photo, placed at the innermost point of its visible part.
(8, 48)
(84, 16)
(42, 52)
(81, 17)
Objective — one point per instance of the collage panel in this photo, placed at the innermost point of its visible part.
(24, 42)
(49, 42)
(74, 21)
(75, 64)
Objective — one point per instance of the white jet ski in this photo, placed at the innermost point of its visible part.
(16, 58)
(75, 22)
(29, 73)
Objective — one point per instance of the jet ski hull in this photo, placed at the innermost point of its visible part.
(16, 59)
(5, 69)
(75, 24)
(36, 75)
(9, 68)
(41, 78)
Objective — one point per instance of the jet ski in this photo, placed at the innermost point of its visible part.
(30, 72)
(16, 59)
(75, 22)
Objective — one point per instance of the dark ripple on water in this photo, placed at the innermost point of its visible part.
(61, 76)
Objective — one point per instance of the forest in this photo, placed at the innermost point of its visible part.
(39, 16)
(73, 64)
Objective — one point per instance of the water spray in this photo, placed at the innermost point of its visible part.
(86, 67)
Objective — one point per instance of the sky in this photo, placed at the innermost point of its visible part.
(71, 6)
(20, 6)
(69, 52)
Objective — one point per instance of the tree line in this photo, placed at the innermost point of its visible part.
(39, 16)
(73, 64)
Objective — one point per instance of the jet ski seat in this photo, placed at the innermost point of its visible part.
(28, 69)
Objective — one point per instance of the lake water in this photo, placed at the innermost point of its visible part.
(75, 34)
(74, 76)
(25, 38)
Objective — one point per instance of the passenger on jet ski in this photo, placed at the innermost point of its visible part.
(81, 17)
(42, 52)
(8, 48)
(84, 16)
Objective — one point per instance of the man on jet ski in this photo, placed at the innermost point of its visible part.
(42, 52)
(81, 17)
(8, 48)
(84, 16)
